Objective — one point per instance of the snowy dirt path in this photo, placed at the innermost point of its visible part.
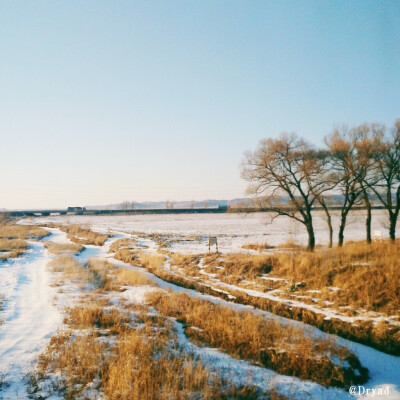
(30, 318)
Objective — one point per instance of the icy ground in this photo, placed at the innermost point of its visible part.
(232, 230)
(30, 318)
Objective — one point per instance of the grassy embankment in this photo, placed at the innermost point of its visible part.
(351, 281)
(269, 343)
(82, 235)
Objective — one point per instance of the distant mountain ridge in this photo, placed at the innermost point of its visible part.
(334, 199)
(209, 203)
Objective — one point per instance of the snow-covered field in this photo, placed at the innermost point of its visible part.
(31, 315)
(232, 230)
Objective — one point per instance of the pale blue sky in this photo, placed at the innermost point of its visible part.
(105, 101)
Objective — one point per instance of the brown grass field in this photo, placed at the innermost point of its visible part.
(284, 349)
(134, 354)
(340, 279)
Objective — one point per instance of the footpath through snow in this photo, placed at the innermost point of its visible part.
(30, 318)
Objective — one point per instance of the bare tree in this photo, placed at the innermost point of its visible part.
(366, 139)
(325, 203)
(348, 173)
(124, 205)
(385, 183)
(288, 168)
(128, 205)
(170, 204)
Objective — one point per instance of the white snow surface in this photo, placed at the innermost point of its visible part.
(30, 318)
(232, 229)
(137, 294)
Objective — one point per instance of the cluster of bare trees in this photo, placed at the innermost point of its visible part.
(128, 205)
(355, 167)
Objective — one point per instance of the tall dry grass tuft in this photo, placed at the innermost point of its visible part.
(10, 231)
(124, 243)
(79, 359)
(64, 248)
(124, 276)
(12, 248)
(138, 371)
(12, 238)
(81, 235)
(257, 246)
(94, 272)
(149, 260)
(238, 266)
(125, 255)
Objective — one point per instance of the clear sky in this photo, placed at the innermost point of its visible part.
(105, 101)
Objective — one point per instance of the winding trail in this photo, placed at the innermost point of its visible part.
(30, 318)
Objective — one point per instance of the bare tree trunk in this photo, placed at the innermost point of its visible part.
(341, 230)
(328, 220)
(392, 226)
(369, 215)
(310, 231)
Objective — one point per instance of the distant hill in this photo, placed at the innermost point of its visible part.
(334, 199)
(210, 203)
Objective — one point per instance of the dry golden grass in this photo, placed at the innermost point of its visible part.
(257, 246)
(368, 275)
(12, 248)
(63, 248)
(237, 266)
(94, 272)
(284, 348)
(10, 231)
(185, 260)
(81, 235)
(67, 265)
(84, 317)
(149, 260)
(134, 364)
(12, 238)
(125, 255)
(344, 267)
(12, 244)
(122, 244)
(124, 276)
(79, 358)
(289, 244)
(139, 372)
